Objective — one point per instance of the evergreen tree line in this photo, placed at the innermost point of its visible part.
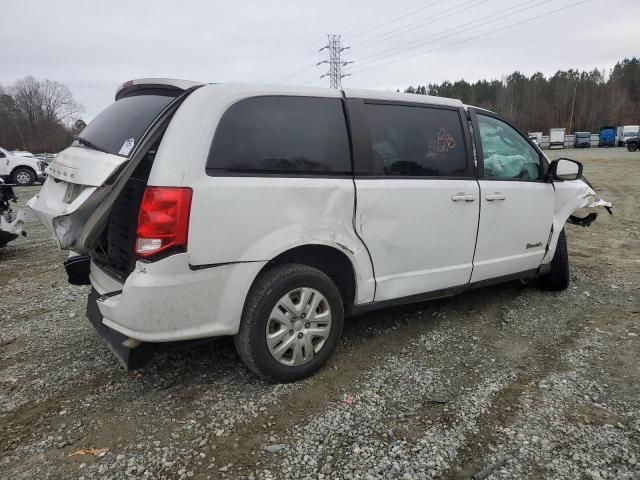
(38, 116)
(575, 100)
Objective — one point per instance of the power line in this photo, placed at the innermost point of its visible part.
(393, 20)
(335, 49)
(367, 18)
(285, 67)
(449, 33)
(472, 38)
(297, 72)
(415, 25)
(386, 53)
(359, 33)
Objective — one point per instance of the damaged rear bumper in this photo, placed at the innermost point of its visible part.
(167, 301)
(129, 358)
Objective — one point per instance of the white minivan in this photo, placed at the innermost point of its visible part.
(270, 212)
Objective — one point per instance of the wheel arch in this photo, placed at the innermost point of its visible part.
(329, 260)
(26, 167)
(570, 196)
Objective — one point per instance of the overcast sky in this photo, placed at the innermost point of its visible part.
(93, 46)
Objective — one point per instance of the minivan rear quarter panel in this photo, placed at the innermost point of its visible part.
(254, 217)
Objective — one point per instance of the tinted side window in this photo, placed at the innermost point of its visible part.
(506, 153)
(282, 135)
(416, 141)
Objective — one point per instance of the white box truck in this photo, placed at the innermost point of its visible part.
(556, 137)
(625, 132)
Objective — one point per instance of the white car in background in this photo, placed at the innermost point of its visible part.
(22, 153)
(21, 168)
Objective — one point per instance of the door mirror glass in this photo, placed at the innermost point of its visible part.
(565, 169)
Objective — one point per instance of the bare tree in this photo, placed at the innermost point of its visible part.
(45, 100)
(42, 113)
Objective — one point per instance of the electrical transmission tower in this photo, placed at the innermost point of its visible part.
(335, 62)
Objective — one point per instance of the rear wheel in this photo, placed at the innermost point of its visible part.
(558, 277)
(23, 176)
(291, 323)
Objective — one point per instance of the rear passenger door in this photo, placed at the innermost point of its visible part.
(516, 203)
(417, 196)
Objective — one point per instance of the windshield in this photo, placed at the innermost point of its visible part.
(119, 127)
(630, 134)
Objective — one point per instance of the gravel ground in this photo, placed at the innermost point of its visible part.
(507, 381)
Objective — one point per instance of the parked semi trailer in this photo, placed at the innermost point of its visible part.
(556, 137)
(582, 140)
(607, 137)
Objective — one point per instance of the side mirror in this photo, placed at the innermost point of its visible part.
(564, 169)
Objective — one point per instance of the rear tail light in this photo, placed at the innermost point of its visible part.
(163, 221)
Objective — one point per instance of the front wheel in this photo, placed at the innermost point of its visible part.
(23, 177)
(558, 277)
(291, 323)
(632, 147)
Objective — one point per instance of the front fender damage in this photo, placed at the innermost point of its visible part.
(589, 219)
(572, 196)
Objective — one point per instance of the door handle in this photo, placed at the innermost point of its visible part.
(494, 196)
(462, 197)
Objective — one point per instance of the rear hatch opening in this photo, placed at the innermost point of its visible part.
(93, 191)
(114, 251)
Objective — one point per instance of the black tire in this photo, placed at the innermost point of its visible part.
(268, 289)
(557, 278)
(23, 176)
(632, 147)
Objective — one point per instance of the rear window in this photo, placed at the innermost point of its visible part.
(118, 128)
(282, 135)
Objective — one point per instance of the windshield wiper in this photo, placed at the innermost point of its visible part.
(89, 144)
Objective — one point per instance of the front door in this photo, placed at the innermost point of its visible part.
(516, 204)
(417, 198)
